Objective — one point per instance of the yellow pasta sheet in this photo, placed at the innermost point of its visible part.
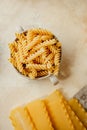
(79, 110)
(58, 112)
(39, 115)
(21, 119)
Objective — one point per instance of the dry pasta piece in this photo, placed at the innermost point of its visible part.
(49, 57)
(45, 54)
(49, 65)
(79, 110)
(12, 49)
(58, 113)
(12, 60)
(51, 70)
(25, 52)
(56, 70)
(42, 73)
(46, 43)
(53, 49)
(59, 51)
(21, 53)
(31, 52)
(39, 115)
(76, 121)
(46, 37)
(19, 64)
(15, 45)
(34, 42)
(30, 36)
(41, 31)
(37, 66)
(20, 37)
(33, 74)
(33, 56)
(38, 60)
(58, 44)
(26, 71)
(21, 119)
(52, 61)
(56, 59)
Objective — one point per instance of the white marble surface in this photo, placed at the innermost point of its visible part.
(67, 19)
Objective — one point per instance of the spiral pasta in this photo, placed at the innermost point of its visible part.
(21, 37)
(37, 66)
(46, 37)
(49, 65)
(53, 49)
(12, 49)
(24, 44)
(30, 36)
(56, 59)
(33, 73)
(33, 56)
(35, 53)
(35, 41)
(19, 65)
(56, 70)
(21, 52)
(38, 60)
(13, 62)
(45, 43)
(42, 73)
(49, 57)
(40, 31)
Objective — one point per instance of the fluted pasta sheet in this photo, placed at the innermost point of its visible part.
(79, 110)
(21, 119)
(39, 115)
(78, 125)
(58, 112)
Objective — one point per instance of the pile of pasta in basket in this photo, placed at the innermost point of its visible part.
(35, 53)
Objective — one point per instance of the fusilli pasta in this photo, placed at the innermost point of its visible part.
(41, 31)
(37, 66)
(35, 53)
(45, 43)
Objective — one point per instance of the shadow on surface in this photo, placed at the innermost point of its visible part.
(66, 65)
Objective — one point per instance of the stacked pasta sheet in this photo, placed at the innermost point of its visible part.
(52, 113)
(35, 53)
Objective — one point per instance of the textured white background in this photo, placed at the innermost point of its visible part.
(67, 19)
